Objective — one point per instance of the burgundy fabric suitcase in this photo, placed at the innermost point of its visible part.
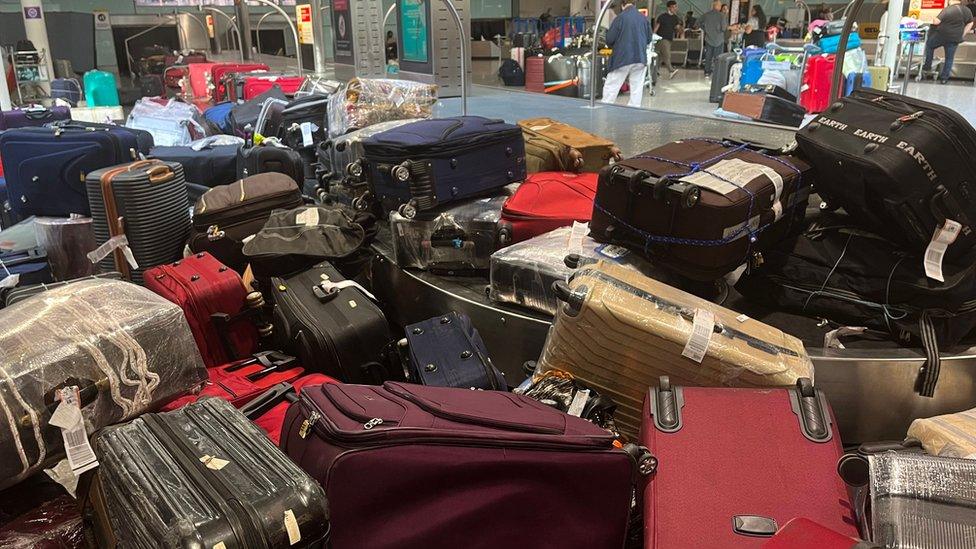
(735, 464)
(458, 468)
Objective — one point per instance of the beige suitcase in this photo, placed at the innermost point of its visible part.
(619, 331)
(951, 435)
(574, 149)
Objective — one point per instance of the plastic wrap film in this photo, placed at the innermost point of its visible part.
(922, 502)
(951, 435)
(173, 123)
(565, 393)
(127, 349)
(347, 149)
(367, 101)
(523, 273)
(620, 331)
(55, 524)
(67, 242)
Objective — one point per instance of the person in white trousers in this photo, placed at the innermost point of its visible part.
(629, 35)
(634, 73)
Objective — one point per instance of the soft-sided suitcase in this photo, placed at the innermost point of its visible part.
(24, 268)
(459, 468)
(219, 115)
(140, 216)
(200, 81)
(219, 70)
(447, 351)
(268, 409)
(341, 157)
(419, 166)
(584, 152)
(619, 330)
(125, 349)
(764, 107)
(209, 166)
(899, 165)
(815, 94)
(701, 207)
(235, 488)
(67, 89)
(268, 158)
(721, 71)
(247, 113)
(772, 456)
(242, 381)
(32, 116)
(227, 214)
(331, 325)
(511, 73)
(256, 85)
(547, 201)
(215, 300)
(803, 533)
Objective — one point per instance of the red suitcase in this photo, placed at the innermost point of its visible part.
(216, 303)
(199, 81)
(734, 464)
(815, 96)
(549, 200)
(256, 85)
(803, 533)
(535, 79)
(220, 70)
(268, 410)
(241, 381)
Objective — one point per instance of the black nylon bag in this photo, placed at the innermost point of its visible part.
(271, 158)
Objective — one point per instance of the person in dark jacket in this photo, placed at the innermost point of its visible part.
(950, 29)
(629, 35)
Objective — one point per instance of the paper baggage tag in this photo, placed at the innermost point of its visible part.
(944, 237)
(11, 280)
(68, 417)
(579, 402)
(291, 526)
(729, 175)
(110, 245)
(308, 217)
(701, 335)
(214, 463)
(306, 134)
(575, 244)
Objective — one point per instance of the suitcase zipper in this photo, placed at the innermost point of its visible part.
(394, 153)
(309, 320)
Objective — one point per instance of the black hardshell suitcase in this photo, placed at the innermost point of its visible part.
(210, 166)
(271, 158)
(447, 351)
(720, 75)
(899, 165)
(247, 113)
(200, 476)
(313, 109)
(562, 68)
(332, 326)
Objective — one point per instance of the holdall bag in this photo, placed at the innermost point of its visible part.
(547, 201)
(898, 165)
(584, 152)
(219, 115)
(701, 207)
(342, 157)
(268, 409)
(256, 85)
(219, 70)
(773, 456)
(764, 107)
(448, 458)
(803, 533)
(419, 166)
(32, 116)
(227, 214)
(619, 331)
(545, 155)
(215, 302)
(247, 113)
(209, 166)
(114, 348)
(236, 488)
(269, 157)
(447, 351)
(511, 73)
(948, 435)
(242, 381)
(24, 291)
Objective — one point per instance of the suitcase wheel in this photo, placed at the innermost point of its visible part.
(690, 196)
(401, 172)
(407, 210)
(355, 170)
(361, 203)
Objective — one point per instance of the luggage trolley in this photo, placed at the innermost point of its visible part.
(804, 52)
(909, 37)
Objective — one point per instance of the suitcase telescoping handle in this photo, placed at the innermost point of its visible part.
(282, 392)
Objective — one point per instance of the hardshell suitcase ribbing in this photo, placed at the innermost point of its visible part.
(484, 453)
(773, 456)
(447, 351)
(584, 152)
(547, 201)
(210, 166)
(235, 488)
(619, 331)
(701, 207)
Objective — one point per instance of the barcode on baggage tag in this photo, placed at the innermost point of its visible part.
(944, 237)
(701, 336)
(79, 452)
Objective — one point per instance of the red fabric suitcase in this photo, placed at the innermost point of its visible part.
(256, 85)
(242, 381)
(219, 70)
(549, 200)
(803, 533)
(204, 287)
(268, 410)
(815, 96)
(200, 81)
(734, 464)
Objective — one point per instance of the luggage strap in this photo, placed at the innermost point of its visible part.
(928, 374)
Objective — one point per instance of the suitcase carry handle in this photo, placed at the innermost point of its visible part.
(38, 114)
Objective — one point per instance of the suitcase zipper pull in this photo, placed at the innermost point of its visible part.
(913, 116)
(214, 233)
(372, 423)
(307, 424)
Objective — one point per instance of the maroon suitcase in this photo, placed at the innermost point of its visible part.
(733, 465)
(216, 303)
(410, 467)
(701, 207)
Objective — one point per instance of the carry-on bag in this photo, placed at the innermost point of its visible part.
(582, 151)
(899, 165)
(561, 75)
(701, 207)
(431, 163)
(247, 113)
(66, 89)
(721, 72)
(241, 381)
(619, 331)
(268, 409)
(24, 268)
(331, 325)
(547, 201)
(256, 85)
(367, 101)
(803, 533)
(227, 214)
(312, 110)
(268, 157)
(112, 348)
(948, 435)
(511, 73)
(341, 157)
(773, 456)
(447, 351)
(214, 480)
(32, 116)
(764, 107)
(209, 166)
(140, 216)
(449, 459)
(219, 115)
(219, 70)
(535, 73)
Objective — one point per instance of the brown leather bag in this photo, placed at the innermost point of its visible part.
(576, 150)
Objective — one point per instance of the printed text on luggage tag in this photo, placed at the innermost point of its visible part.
(944, 237)
(701, 335)
(67, 416)
(291, 526)
(306, 134)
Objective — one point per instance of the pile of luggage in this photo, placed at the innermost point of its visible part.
(191, 346)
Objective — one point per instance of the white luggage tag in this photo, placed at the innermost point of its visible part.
(701, 335)
(944, 237)
(68, 417)
(110, 245)
(11, 279)
(306, 134)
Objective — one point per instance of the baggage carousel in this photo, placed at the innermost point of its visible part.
(871, 385)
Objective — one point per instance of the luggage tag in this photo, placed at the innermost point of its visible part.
(110, 245)
(11, 279)
(701, 335)
(944, 237)
(68, 417)
(306, 134)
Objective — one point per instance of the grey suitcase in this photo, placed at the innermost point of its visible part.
(720, 75)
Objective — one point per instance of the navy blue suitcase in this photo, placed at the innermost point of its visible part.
(447, 351)
(419, 166)
(45, 167)
(210, 167)
(30, 265)
(144, 140)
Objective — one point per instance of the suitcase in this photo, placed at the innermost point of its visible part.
(619, 331)
(535, 75)
(227, 214)
(151, 85)
(602, 70)
(752, 69)
(270, 158)
(511, 73)
(236, 488)
(268, 409)
(447, 351)
(219, 115)
(458, 239)
(241, 381)
(431, 163)
(763, 107)
(171, 122)
(342, 157)
(200, 81)
(880, 77)
(215, 302)
(899, 165)
(331, 325)
(67, 89)
(803, 533)
(312, 110)
(32, 116)
(24, 268)
(126, 349)
(19, 294)
(947, 435)
(219, 70)
(234, 83)
(140, 209)
(247, 113)
(367, 101)
(567, 394)
(256, 85)
(774, 458)
(67, 242)
(701, 207)
(547, 201)
(101, 89)
(495, 453)
(584, 152)
(53, 524)
(815, 94)
(561, 75)
(211, 166)
(45, 168)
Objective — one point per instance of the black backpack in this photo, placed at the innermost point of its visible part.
(511, 73)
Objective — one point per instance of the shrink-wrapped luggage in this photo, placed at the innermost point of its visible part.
(367, 101)
(949, 435)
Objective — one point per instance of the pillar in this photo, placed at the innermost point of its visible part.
(244, 26)
(890, 51)
(5, 104)
(318, 36)
(36, 27)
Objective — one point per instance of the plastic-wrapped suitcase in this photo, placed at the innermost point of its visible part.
(764, 107)
(219, 70)
(946, 435)
(124, 348)
(721, 72)
(582, 151)
(773, 456)
(448, 458)
(140, 216)
(620, 330)
(701, 207)
(342, 157)
(447, 351)
(209, 166)
(366, 101)
(235, 488)
(549, 200)
(271, 158)
(32, 116)
(420, 166)
(26, 291)
(201, 81)
(244, 380)
(256, 85)
(803, 533)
